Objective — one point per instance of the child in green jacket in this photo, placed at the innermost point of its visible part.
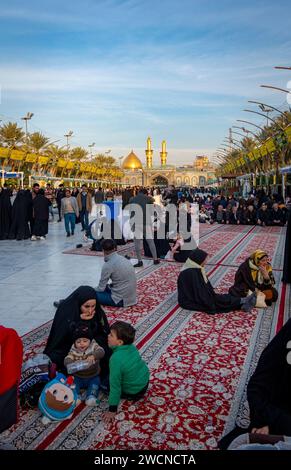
(128, 373)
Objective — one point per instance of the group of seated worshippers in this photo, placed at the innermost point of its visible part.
(269, 389)
(249, 215)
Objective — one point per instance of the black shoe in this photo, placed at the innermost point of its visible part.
(59, 220)
(83, 230)
(156, 261)
(73, 233)
(138, 265)
(57, 303)
(127, 257)
(68, 234)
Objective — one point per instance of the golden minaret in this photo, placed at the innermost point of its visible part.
(149, 153)
(163, 154)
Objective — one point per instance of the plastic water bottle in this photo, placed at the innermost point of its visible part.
(77, 367)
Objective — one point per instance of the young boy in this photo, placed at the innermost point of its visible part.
(83, 362)
(129, 374)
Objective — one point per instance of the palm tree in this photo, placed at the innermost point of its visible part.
(54, 153)
(11, 135)
(37, 142)
(78, 153)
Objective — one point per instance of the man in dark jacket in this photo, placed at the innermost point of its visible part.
(263, 215)
(142, 226)
(277, 216)
(59, 196)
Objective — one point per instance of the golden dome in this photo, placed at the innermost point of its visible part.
(131, 162)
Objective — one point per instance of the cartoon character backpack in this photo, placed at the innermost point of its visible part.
(58, 399)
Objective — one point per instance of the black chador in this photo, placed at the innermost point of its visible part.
(41, 215)
(5, 213)
(287, 254)
(67, 316)
(19, 229)
(269, 389)
(195, 292)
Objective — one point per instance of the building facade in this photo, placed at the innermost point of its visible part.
(200, 173)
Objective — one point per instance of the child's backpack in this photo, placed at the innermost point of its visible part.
(11, 351)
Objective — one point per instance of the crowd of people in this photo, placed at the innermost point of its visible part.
(82, 343)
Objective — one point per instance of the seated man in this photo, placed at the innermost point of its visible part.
(122, 291)
(196, 293)
(277, 216)
(263, 215)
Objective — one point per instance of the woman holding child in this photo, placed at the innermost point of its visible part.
(81, 305)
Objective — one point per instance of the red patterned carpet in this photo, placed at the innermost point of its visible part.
(199, 363)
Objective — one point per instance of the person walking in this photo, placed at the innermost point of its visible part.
(70, 210)
(84, 200)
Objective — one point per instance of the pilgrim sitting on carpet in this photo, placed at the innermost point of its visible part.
(83, 363)
(128, 373)
(269, 391)
(195, 291)
(255, 273)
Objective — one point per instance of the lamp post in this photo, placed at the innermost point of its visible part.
(251, 124)
(90, 147)
(120, 159)
(261, 114)
(276, 88)
(247, 131)
(68, 135)
(27, 118)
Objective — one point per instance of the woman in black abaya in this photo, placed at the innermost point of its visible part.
(5, 213)
(41, 214)
(19, 229)
(287, 254)
(269, 391)
(195, 292)
(80, 305)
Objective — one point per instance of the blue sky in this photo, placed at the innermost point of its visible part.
(117, 71)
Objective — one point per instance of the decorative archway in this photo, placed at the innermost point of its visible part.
(160, 181)
(202, 181)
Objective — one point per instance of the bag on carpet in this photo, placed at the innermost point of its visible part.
(36, 373)
(10, 369)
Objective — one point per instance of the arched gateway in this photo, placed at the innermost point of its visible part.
(160, 181)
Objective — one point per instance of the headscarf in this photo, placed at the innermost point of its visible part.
(195, 260)
(254, 260)
(66, 318)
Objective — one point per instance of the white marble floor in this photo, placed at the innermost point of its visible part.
(34, 274)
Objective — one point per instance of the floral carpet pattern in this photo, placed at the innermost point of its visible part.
(199, 363)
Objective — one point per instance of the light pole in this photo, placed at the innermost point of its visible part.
(68, 135)
(120, 158)
(90, 147)
(247, 131)
(251, 124)
(261, 114)
(27, 118)
(276, 88)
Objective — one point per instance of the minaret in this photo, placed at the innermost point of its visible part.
(149, 153)
(163, 154)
